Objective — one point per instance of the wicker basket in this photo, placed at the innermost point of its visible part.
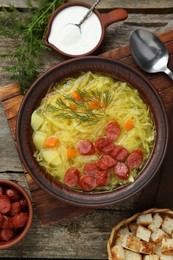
(127, 221)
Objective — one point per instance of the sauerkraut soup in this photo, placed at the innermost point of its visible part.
(93, 132)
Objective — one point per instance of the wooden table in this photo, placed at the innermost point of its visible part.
(84, 236)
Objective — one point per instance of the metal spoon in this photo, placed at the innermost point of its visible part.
(88, 13)
(149, 52)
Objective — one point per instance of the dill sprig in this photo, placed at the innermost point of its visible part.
(81, 110)
(28, 30)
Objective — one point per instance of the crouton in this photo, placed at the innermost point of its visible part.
(132, 255)
(147, 248)
(144, 220)
(131, 242)
(158, 235)
(120, 235)
(117, 253)
(167, 225)
(167, 245)
(125, 230)
(158, 249)
(166, 257)
(133, 227)
(150, 257)
(143, 233)
(118, 239)
(156, 222)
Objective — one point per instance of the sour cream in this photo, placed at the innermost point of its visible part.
(69, 38)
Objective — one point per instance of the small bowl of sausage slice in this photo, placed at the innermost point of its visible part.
(16, 213)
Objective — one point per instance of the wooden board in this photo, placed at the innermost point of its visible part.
(48, 208)
(108, 4)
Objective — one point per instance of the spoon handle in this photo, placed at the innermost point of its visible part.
(88, 13)
(169, 73)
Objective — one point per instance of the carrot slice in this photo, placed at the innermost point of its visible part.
(103, 105)
(76, 95)
(51, 142)
(94, 104)
(71, 152)
(128, 125)
(73, 107)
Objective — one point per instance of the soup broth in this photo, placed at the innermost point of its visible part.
(93, 132)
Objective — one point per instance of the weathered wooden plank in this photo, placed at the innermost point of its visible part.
(132, 4)
(109, 4)
(58, 210)
(12, 125)
(9, 91)
(16, 3)
(12, 106)
(9, 160)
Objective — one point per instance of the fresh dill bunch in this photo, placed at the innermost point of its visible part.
(28, 29)
(89, 109)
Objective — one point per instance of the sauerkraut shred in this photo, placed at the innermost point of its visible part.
(126, 104)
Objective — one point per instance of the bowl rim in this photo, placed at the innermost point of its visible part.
(90, 199)
(15, 240)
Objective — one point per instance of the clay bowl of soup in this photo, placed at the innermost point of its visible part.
(92, 132)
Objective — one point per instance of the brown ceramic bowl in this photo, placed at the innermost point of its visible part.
(65, 15)
(18, 232)
(71, 68)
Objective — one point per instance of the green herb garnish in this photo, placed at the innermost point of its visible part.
(89, 109)
(28, 30)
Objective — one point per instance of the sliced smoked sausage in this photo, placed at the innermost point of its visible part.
(90, 168)
(135, 158)
(85, 147)
(6, 234)
(5, 204)
(113, 130)
(20, 220)
(7, 222)
(71, 177)
(106, 162)
(121, 170)
(104, 144)
(119, 153)
(15, 208)
(102, 178)
(87, 182)
(12, 194)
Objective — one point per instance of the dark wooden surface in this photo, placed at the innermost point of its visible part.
(84, 236)
(50, 210)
